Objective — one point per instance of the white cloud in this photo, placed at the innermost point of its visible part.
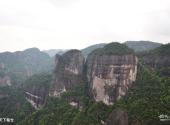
(78, 23)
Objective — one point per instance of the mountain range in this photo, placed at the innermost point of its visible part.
(103, 84)
(137, 46)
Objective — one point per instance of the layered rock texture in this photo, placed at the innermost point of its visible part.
(68, 72)
(110, 74)
(111, 70)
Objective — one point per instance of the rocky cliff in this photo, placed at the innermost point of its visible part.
(36, 101)
(36, 89)
(110, 74)
(68, 72)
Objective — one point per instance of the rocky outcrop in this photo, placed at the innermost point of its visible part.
(110, 75)
(36, 101)
(68, 72)
(36, 96)
(36, 89)
(118, 117)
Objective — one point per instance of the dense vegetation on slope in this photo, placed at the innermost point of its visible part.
(58, 111)
(137, 46)
(148, 98)
(163, 50)
(13, 104)
(12, 101)
(38, 81)
(113, 49)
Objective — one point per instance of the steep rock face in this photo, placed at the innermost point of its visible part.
(36, 89)
(68, 72)
(73, 62)
(36, 97)
(110, 76)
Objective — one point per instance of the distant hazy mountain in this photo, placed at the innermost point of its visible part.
(137, 46)
(17, 66)
(142, 45)
(86, 51)
(53, 52)
(158, 59)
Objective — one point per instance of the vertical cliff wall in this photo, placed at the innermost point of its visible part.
(36, 89)
(68, 72)
(110, 74)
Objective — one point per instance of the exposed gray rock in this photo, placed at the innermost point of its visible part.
(36, 96)
(36, 101)
(110, 76)
(68, 72)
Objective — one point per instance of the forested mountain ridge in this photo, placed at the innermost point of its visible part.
(113, 86)
(137, 46)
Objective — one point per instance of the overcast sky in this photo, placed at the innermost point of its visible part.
(56, 24)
